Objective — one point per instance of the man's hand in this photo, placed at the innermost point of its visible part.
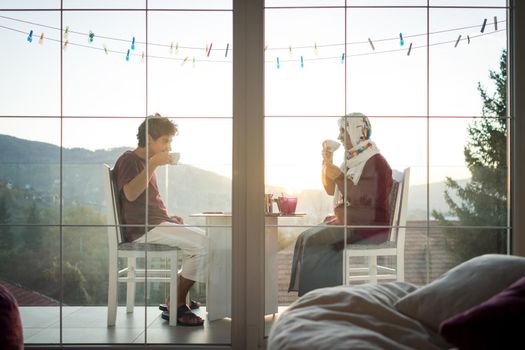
(160, 158)
(331, 171)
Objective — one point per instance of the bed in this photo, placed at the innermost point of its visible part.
(479, 304)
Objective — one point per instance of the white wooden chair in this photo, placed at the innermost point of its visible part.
(119, 248)
(394, 246)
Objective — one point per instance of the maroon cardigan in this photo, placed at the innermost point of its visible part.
(368, 201)
(11, 334)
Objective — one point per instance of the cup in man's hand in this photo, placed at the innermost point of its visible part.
(331, 145)
(174, 157)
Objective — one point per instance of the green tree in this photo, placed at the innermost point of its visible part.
(5, 219)
(483, 200)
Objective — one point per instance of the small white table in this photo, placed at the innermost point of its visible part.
(218, 289)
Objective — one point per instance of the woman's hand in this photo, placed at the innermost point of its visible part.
(331, 171)
(177, 219)
(331, 220)
(328, 156)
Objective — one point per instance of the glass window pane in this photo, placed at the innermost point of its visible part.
(32, 264)
(471, 167)
(100, 84)
(30, 169)
(454, 3)
(301, 79)
(30, 4)
(89, 143)
(456, 70)
(190, 4)
(383, 77)
(104, 4)
(300, 3)
(30, 70)
(190, 70)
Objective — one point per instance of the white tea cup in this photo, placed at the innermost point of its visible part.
(331, 145)
(174, 157)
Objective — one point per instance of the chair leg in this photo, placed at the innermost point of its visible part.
(173, 289)
(131, 280)
(372, 268)
(400, 268)
(112, 290)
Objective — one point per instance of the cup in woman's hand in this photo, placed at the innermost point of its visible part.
(331, 145)
(174, 157)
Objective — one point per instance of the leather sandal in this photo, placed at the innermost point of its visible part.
(194, 305)
(184, 317)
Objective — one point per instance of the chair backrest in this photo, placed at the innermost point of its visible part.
(115, 230)
(398, 216)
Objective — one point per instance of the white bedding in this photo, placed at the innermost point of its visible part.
(352, 317)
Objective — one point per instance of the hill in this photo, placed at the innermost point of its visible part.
(35, 166)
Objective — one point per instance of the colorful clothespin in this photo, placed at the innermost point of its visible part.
(133, 43)
(65, 44)
(171, 48)
(209, 50)
(184, 61)
(30, 36)
(457, 41)
(127, 56)
(278, 63)
(290, 49)
(371, 44)
(91, 36)
(105, 48)
(193, 62)
(315, 47)
(302, 62)
(409, 49)
(401, 41)
(66, 33)
(343, 58)
(483, 25)
(41, 40)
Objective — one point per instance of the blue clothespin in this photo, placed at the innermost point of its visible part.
(133, 43)
(302, 62)
(401, 41)
(30, 37)
(127, 56)
(91, 36)
(343, 58)
(278, 64)
(483, 25)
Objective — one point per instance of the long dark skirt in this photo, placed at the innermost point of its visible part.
(318, 257)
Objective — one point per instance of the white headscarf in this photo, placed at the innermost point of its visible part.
(358, 128)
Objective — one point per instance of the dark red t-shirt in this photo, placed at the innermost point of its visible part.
(127, 167)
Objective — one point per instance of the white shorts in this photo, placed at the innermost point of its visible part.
(191, 240)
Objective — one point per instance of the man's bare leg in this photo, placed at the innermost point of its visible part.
(184, 286)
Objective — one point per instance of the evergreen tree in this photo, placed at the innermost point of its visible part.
(483, 200)
(5, 218)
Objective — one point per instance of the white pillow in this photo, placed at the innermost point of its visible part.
(461, 288)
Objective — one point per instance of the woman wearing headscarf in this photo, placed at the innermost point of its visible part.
(366, 179)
